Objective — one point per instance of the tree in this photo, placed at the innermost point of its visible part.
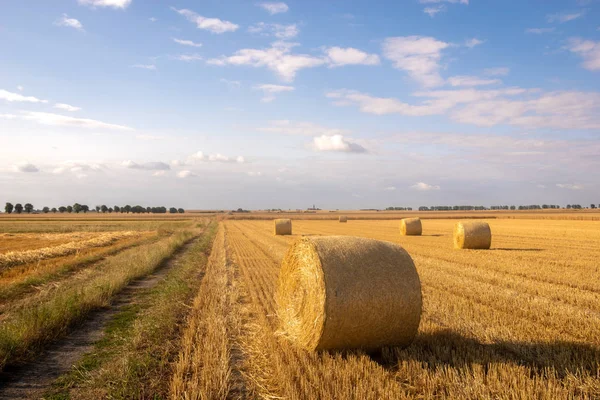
(46, 210)
(69, 209)
(18, 208)
(173, 210)
(28, 208)
(97, 208)
(53, 210)
(592, 206)
(180, 210)
(9, 208)
(127, 208)
(62, 209)
(77, 208)
(148, 210)
(117, 208)
(85, 208)
(110, 210)
(103, 208)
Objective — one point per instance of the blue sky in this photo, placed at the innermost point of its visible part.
(221, 104)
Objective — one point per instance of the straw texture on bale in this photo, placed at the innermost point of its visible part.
(472, 235)
(283, 227)
(411, 227)
(340, 292)
(343, 218)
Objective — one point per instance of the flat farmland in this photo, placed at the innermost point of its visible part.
(518, 321)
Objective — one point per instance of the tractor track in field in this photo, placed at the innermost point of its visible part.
(32, 380)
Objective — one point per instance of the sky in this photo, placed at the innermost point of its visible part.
(220, 104)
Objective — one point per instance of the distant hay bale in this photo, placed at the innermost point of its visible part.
(411, 227)
(343, 218)
(340, 292)
(283, 227)
(472, 235)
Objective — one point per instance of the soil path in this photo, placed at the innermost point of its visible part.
(32, 380)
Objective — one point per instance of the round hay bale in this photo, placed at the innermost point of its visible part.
(411, 227)
(283, 226)
(343, 218)
(472, 235)
(340, 292)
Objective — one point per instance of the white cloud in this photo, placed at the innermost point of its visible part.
(274, 7)
(199, 157)
(148, 166)
(471, 81)
(63, 120)
(213, 25)
(564, 17)
(20, 88)
(588, 50)
(539, 31)
(498, 71)
(444, 1)
(432, 11)
(150, 67)
(529, 108)
(159, 173)
(337, 143)
(122, 4)
(69, 23)
(278, 58)
(150, 137)
(152, 19)
(232, 84)
(277, 30)
(270, 90)
(26, 167)
(254, 173)
(66, 107)
(19, 98)
(287, 127)
(470, 43)
(338, 56)
(419, 56)
(390, 188)
(185, 174)
(422, 186)
(570, 186)
(76, 167)
(184, 42)
(540, 186)
(188, 57)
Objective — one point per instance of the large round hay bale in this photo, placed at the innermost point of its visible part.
(283, 226)
(343, 218)
(340, 292)
(472, 235)
(411, 227)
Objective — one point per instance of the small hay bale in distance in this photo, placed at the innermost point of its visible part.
(340, 292)
(472, 235)
(283, 226)
(343, 218)
(411, 227)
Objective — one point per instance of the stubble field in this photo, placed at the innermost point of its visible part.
(520, 320)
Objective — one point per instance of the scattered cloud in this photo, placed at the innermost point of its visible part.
(150, 137)
(150, 67)
(419, 56)
(498, 71)
(466, 2)
(278, 58)
(67, 22)
(470, 43)
(122, 4)
(471, 81)
(422, 186)
(148, 166)
(564, 17)
(270, 90)
(539, 31)
(66, 107)
(337, 143)
(432, 11)
(213, 25)
(540, 186)
(390, 188)
(76, 167)
(254, 173)
(20, 88)
(199, 157)
(570, 186)
(159, 173)
(186, 173)
(338, 56)
(287, 127)
(19, 98)
(26, 167)
(184, 42)
(51, 119)
(232, 84)
(188, 57)
(152, 19)
(274, 7)
(586, 49)
(277, 30)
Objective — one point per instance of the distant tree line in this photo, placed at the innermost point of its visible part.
(481, 208)
(9, 208)
(398, 209)
(452, 208)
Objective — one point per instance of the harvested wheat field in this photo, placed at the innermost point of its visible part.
(191, 311)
